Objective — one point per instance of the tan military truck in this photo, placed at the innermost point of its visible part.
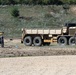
(38, 37)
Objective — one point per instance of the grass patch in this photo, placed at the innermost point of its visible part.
(50, 16)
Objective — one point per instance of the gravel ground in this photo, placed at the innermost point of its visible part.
(15, 49)
(45, 60)
(42, 65)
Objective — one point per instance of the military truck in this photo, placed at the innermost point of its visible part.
(38, 37)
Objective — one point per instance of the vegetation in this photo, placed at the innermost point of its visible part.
(15, 12)
(47, 16)
(44, 2)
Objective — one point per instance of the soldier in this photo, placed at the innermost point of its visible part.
(75, 37)
(2, 39)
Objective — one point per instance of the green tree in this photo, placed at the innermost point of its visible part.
(3, 2)
(72, 1)
(36, 2)
(66, 1)
(45, 1)
(12, 2)
(21, 1)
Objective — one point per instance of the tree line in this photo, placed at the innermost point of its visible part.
(35, 2)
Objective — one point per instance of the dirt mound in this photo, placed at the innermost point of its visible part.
(13, 48)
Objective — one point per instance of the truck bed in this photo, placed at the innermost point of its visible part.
(43, 31)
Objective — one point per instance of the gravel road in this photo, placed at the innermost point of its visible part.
(42, 65)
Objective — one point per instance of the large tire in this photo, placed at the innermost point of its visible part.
(62, 40)
(28, 41)
(72, 41)
(37, 41)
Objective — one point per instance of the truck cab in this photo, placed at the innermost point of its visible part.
(68, 34)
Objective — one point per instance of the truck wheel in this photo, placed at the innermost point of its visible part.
(62, 41)
(72, 41)
(37, 41)
(28, 41)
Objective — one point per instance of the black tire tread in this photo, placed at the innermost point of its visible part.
(37, 38)
(30, 40)
(59, 40)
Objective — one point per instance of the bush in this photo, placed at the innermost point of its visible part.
(66, 6)
(44, 2)
(48, 15)
(15, 12)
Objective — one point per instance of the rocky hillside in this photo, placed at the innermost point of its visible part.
(50, 16)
